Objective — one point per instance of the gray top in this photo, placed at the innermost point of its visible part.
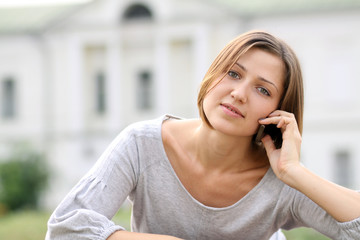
(135, 165)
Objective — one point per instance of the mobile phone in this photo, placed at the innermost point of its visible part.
(274, 132)
(260, 134)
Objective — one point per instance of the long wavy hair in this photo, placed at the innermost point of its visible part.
(293, 97)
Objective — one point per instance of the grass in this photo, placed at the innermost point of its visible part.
(24, 225)
(304, 234)
(122, 218)
(31, 225)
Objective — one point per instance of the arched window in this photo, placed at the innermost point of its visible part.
(137, 11)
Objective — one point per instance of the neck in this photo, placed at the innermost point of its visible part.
(215, 150)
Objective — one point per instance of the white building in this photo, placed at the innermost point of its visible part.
(73, 76)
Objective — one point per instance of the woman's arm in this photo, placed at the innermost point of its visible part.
(124, 235)
(86, 212)
(341, 203)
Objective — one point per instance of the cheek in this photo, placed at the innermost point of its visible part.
(259, 114)
(205, 106)
(264, 110)
(207, 103)
(213, 97)
(267, 107)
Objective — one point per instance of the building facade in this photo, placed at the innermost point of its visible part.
(70, 87)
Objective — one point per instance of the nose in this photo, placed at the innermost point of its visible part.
(240, 92)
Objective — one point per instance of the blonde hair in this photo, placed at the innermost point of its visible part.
(293, 97)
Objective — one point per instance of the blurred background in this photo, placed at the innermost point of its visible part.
(74, 73)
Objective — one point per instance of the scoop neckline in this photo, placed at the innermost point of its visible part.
(193, 199)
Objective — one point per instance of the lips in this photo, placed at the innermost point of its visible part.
(232, 109)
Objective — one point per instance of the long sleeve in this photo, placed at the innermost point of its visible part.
(86, 212)
(306, 213)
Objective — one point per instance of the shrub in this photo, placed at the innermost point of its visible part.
(22, 178)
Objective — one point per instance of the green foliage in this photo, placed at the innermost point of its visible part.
(22, 178)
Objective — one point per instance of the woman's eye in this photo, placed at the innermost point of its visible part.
(263, 91)
(233, 74)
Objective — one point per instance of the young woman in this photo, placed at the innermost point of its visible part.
(209, 178)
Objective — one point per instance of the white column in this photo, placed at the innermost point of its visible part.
(201, 59)
(161, 74)
(75, 96)
(114, 83)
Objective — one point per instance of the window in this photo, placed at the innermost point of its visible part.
(144, 88)
(137, 11)
(343, 168)
(8, 98)
(100, 86)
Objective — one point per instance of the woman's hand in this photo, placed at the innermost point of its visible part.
(287, 158)
(341, 203)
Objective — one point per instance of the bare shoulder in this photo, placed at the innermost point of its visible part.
(180, 128)
(179, 132)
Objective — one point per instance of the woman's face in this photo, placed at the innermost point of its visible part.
(251, 90)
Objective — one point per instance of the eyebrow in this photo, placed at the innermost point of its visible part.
(260, 78)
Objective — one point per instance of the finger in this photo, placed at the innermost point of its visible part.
(268, 144)
(284, 121)
(281, 113)
(271, 120)
(278, 120)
